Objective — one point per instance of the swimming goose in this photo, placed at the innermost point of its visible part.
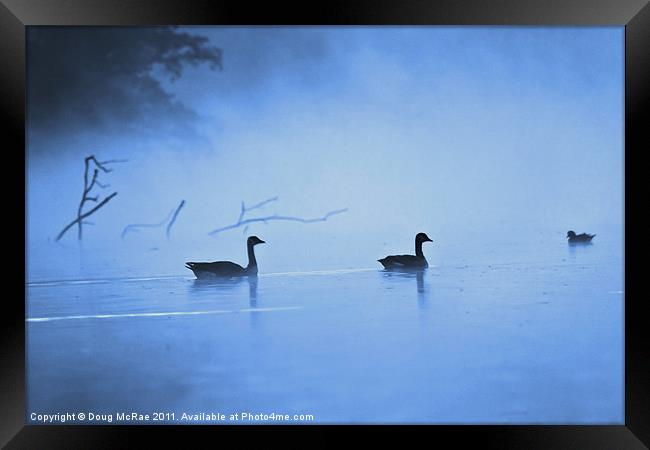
(226, 268)
(408, 261)
(584, 237)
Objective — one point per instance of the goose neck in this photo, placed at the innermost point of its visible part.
(418, 249)
(252, 262)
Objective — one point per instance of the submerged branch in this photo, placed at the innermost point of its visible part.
(80, 218)
(246, 222)
(171, 218)
(111, 161)
(244, 210)
(86, 197)
(171, 223)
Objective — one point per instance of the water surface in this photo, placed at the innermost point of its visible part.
(506, 334)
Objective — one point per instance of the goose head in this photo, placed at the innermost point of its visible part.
(253, 241)
(422, 237)
(571, 234)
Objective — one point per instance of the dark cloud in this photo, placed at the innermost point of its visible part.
(99, 78)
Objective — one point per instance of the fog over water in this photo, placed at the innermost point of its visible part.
(495, 141)
(465, 133)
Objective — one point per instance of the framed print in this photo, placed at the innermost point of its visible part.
(364, 215)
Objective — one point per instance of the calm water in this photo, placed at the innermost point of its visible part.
(528, 332)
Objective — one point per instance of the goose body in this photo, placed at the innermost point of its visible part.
(217, 269)
(584, 237)
(417, 261)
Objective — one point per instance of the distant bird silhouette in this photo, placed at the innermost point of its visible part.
(216, 269)
(408, 261)
(584, 237)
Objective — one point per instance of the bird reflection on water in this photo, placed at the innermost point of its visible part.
(226, 283)
(580, 244)
(405, 274)
(578, 247)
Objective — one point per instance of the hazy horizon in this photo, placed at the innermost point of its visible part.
(460, 132)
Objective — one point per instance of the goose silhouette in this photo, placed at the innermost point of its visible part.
(205, 270)
(417, 261)
(584, 237)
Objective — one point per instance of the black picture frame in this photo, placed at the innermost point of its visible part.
(15, 15)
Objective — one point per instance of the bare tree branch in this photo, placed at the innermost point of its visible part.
(84, 215)
(92, 182)
(246, 222)
(85, 197)
(101, 165)
(171, 222)
(135, 226)
(111, 161)
(244, 210)
(171, 218)
(260, 204)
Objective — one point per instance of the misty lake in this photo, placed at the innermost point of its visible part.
(519, 332)
(335, 146)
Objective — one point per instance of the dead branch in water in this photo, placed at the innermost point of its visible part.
(245, 222)
(79, 219)
(169, 220)
(86, 197)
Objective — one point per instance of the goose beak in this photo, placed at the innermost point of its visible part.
(262, 242)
